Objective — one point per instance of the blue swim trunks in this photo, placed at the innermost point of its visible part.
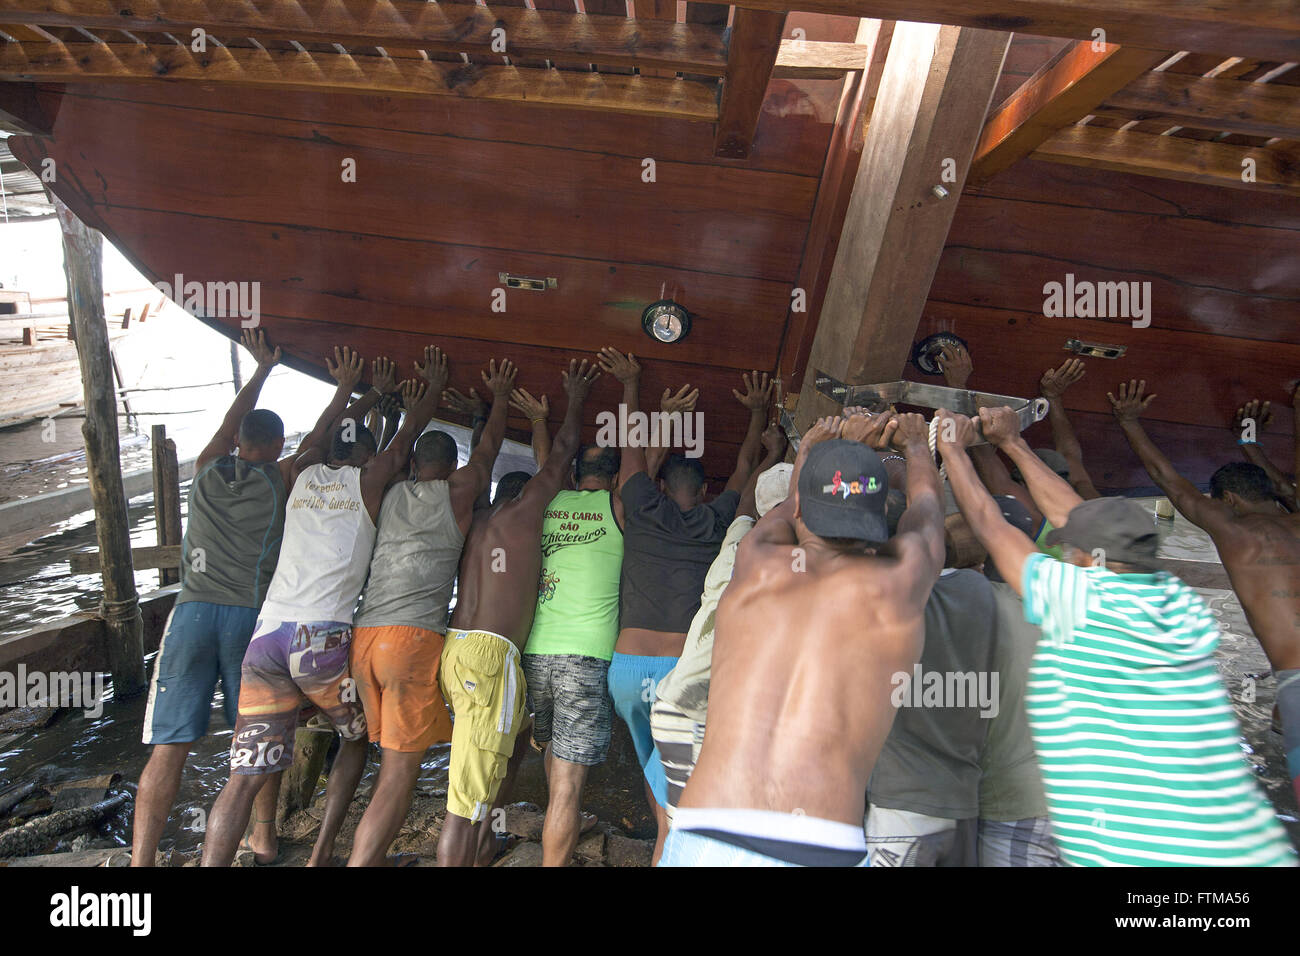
(201, 644)
(633, 681)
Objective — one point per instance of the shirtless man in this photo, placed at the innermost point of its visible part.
(299, 651)
(481, 674)
(822, 610)
(1258, 543)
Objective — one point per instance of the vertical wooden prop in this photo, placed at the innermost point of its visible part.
(236, 378)
(310, 748)
(83, 267)
(166, 497)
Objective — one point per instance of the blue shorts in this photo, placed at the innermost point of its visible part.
(633, 681)
(687, 847)
(202, 643)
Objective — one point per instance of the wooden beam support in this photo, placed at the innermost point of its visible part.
(755, 42)
(819, 60)
(144, 558)
(929, 111)
(1262, 29)
(402, 24)
(1173, 157)
(341, 73)
(1234, 106)
(1060, 94)
(123, 625)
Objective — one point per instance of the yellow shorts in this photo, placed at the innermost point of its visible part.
(482, 680)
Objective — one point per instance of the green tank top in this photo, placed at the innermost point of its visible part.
(577, 592)
(1055, 550)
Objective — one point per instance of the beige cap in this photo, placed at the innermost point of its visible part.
(773, 487)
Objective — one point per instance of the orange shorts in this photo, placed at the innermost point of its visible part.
(396, 670)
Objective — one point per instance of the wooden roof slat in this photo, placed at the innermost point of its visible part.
(819, 60)
(411, 24)
(332, 72)
(755, 42)
(1264, 29)
(655, 10)
(1063, 91)
(1171, 157)
(1233, 106)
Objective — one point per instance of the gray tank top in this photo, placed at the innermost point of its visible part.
(232, 533)
(415, 560)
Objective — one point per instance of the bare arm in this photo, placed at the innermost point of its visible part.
(1053, 495)
(537, 411)
(1186, 497)
(346, 369)
(475, 477)
(777, 526)
(919, 540)
(546, 484)
(476, 410)
(421, 401)
(227, 436)
(1053, 385)
(774, 451)
(993, 473)
(1006, 545)
(757, 396)
(1249, 423)
(628, 371)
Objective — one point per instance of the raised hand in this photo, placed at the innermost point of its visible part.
(389, 406)
(412, 392)
(500, 381)
(821, 430)
(347, 366)
(954, 431)
(956, 365)
(683, 401)
(1000, 425)
(1131, 403)
(758, 391)
(521, 400)
(255, 342)
(774, 441)
(908, 431)
(1261, 412)
(434, 370)
(470, 404)
(871, 430)
(578, 379)
(383, 376)
(1056, 380)
(624, 368)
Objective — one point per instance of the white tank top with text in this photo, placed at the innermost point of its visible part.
(325, 553)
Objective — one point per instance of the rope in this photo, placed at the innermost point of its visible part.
(934, 435)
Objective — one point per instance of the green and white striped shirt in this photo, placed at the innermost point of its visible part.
(1136, 739)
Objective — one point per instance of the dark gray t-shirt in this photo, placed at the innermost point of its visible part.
(931, 760)
(667, 553)
(232, 532)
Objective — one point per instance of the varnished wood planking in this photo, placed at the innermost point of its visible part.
(1206, 276)
(313, 275)
(797, 149)
(514, 196)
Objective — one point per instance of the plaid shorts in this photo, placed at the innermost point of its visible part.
(568, 696)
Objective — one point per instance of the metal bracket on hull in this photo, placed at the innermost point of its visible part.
(877, 398)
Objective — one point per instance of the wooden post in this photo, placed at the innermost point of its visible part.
(83, 267)
(299, 784)
(929, 112)
(166, 497)
(236, 378)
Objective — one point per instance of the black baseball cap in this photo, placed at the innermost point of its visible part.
(1121, 529)
(842, 490)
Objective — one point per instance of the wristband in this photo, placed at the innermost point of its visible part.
(1242, 442)
(893, 458)
(536, 420)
